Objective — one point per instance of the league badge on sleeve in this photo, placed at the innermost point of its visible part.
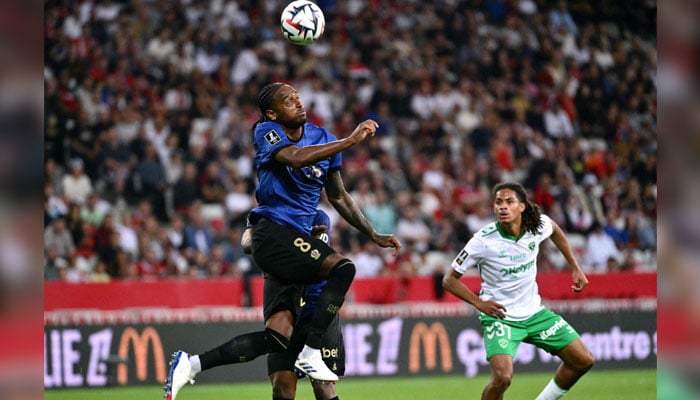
(272, 137)
(461, 257)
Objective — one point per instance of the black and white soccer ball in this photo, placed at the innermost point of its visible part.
(302, 22)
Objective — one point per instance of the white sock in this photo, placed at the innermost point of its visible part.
(307, 351)
(196, 364)
(551, 392)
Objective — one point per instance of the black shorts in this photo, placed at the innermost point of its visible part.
(281, 296)
(287, 254)
(333, 349)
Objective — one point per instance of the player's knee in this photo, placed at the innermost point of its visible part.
(343, 270)
(275, 341)
(586, 362)
(501, 379)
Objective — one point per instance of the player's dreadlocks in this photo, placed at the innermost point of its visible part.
(531, 216)
(264, 101)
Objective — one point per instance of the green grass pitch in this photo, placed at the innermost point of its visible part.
(596, 385)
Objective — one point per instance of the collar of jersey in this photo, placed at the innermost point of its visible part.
(507, 236)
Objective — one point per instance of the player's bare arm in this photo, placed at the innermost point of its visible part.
(562, 243)
(348, 209)
(451, 282)
(247, 240)
(297, 157)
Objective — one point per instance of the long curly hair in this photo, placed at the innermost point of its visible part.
(531, 221)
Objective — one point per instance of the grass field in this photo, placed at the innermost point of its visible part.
(597, 385)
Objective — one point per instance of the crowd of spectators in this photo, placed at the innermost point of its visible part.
(149, 103)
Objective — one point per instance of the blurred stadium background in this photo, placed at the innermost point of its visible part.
(147, 107)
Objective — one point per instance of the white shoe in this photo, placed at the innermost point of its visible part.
(179, 375)
(314, 367)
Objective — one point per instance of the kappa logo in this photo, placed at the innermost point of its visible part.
(302, 302)
(272, 137)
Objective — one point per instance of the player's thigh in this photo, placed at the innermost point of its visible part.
(549, 331)
(287, 253)
(501, 337)
(278, 297)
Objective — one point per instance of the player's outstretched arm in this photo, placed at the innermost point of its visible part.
(562, 243)
(343, 202)
(297, 157)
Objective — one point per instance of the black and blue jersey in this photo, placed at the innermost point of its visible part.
(285, 195)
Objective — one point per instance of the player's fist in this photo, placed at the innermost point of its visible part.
(364, 129)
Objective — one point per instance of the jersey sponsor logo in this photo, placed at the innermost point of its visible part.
(461, 257)
(518, 257)
(324, 238)
(328, 353)
(333, 309)
(552, 330)
(519, 269)
(272, 137)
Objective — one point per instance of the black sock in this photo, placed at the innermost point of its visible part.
(244, 348)
(330, 301)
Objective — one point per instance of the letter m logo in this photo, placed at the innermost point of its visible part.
(141, 344)
(430, 337)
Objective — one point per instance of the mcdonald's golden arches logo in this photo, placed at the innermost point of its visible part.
(431, 337)
(141, 344)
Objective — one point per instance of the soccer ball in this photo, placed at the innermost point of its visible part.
(302, 22)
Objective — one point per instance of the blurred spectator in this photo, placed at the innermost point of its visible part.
(94, 210)
(197, 234)
(557, 122)
(238, 202)
(186, 189)
(76, 185)
(369, 262)
(211, 184)
(58, 238)
(381, 213)
(410, 227)
(52, 264)
(599, 248)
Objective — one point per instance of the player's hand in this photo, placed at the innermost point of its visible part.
(364, 129)
(491, 308)
(318, 230)
(580, 280)
(385, 240)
